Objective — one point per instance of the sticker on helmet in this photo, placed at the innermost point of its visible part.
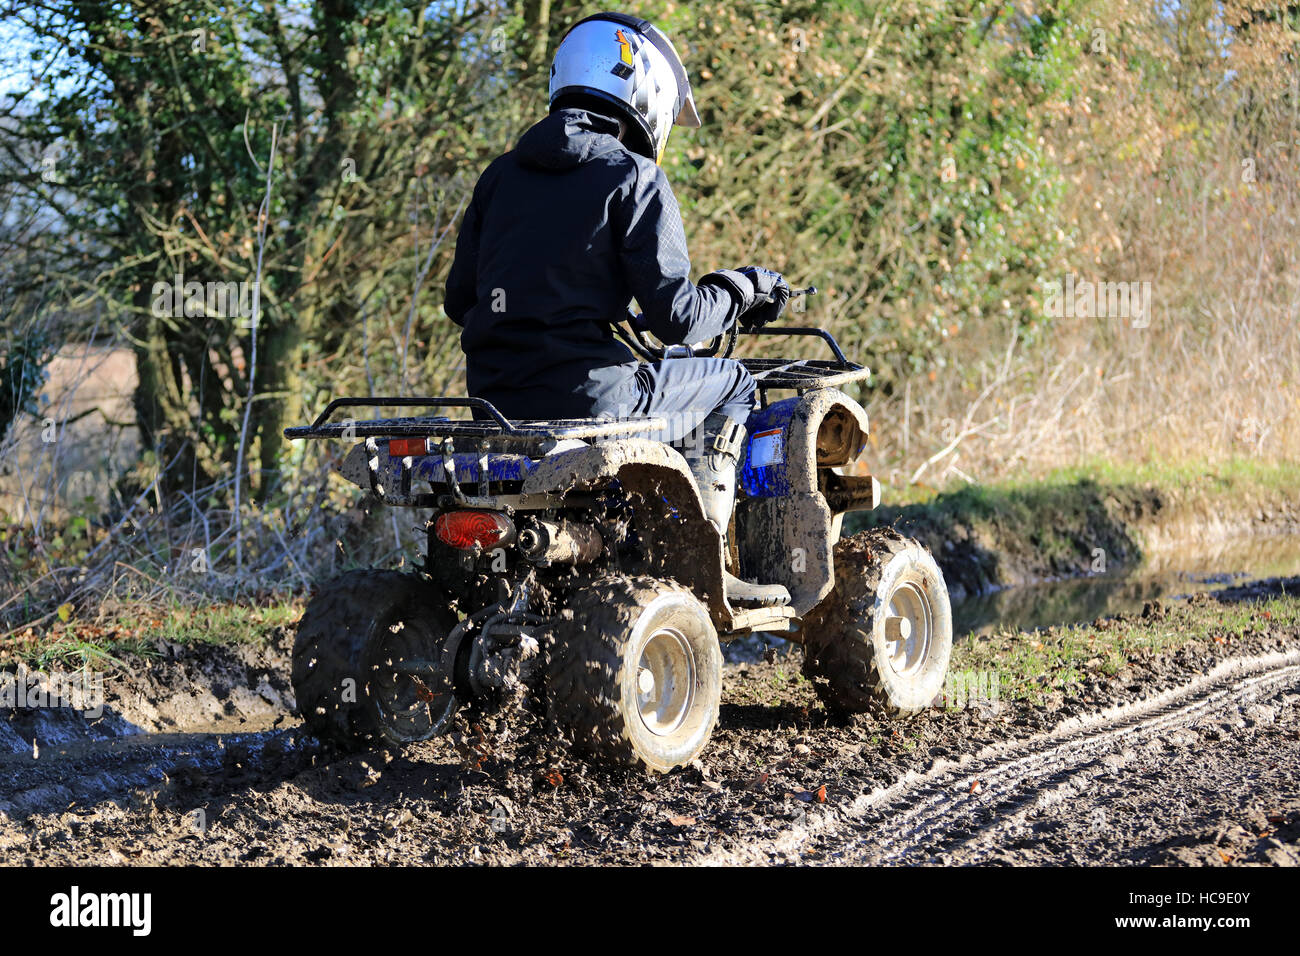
(623, 69)
(625, 47)
(765, 448)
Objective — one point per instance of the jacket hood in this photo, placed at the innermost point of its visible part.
(568, 138)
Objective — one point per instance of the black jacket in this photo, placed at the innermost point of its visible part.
(561, 233)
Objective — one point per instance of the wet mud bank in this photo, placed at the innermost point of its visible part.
(1165, 576)
(988, 539)
(173, 689)
(177, 714)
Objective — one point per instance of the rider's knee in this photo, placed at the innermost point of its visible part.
(746, 386)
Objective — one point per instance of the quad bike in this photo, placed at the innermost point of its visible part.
(573, 559)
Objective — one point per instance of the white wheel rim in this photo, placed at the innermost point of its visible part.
(665, 681)
(909, 629)
(400, 697)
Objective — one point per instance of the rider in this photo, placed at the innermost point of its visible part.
(562, 231)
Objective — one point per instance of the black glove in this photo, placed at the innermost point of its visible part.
(771, 293)
(760, 294)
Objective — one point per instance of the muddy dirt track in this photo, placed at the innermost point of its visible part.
(1183, 757)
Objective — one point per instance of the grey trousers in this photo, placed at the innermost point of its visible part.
(684, 392)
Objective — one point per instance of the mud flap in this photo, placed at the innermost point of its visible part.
(788, 541)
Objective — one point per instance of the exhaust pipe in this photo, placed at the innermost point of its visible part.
(566, 542)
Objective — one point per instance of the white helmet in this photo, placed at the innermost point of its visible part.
(628, 62)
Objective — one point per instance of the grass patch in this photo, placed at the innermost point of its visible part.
(1031, 666)
(225, 623)
(76, 644)
(1232, 473)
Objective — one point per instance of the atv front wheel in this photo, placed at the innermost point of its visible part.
(354, 639)
(883, 636)
(635, 673)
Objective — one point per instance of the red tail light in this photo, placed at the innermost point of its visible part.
(401, 447)
(470, 529)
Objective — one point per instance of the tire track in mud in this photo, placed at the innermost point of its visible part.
(972, 801)
(85, 772)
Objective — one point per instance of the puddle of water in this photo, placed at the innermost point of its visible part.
(1164, 576)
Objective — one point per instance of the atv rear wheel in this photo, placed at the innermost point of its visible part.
(883, 636)
(352, 639)
(634, 675)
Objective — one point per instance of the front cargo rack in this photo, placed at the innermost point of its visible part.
(802, 375)
(494, 426)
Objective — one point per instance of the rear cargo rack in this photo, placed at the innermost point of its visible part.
(495, 426)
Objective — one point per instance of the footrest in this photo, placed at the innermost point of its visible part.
(748, 620)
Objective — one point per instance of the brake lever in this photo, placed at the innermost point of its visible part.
(811, 290)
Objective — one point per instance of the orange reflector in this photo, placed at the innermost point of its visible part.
(401, 447)
(470, 529)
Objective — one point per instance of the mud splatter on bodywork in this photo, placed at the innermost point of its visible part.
(786, 527)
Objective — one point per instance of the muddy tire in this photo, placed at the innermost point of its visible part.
(351, 634)
(883, 636)
(635, 675)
